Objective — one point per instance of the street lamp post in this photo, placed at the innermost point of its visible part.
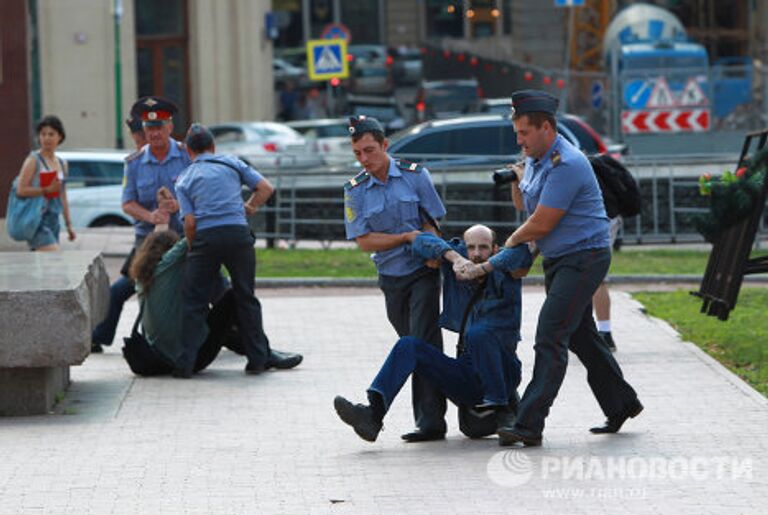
(118, 6)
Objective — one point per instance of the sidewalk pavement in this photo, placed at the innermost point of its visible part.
(225, 442)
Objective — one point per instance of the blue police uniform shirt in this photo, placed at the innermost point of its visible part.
(499, 306)
(563, 179)
(212, 192)
(392, 207)
(144, 175)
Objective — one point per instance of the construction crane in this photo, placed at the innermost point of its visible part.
(586, 34)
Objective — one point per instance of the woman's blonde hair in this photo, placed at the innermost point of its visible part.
(149, 255)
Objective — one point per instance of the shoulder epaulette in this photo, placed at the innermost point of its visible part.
(134, 155)
(408, 166)
(356, 180)
(555, 158)
(181, 145)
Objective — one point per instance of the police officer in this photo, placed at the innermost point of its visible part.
(153, 167)
(384, 204)
(486, 313)
(218, 234)
(136, 127)
(568, 223)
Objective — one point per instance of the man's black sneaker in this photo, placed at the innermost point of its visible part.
(359, 416)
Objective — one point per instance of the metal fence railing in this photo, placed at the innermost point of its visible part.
(309, 205)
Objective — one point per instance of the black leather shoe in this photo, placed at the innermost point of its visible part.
(423, 436)
(359, 416)
(96, 348)
(509, 437)
(283, 360)
(613, 424)
(254, 370)
(180, 373)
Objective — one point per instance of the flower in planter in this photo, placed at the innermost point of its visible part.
(732, 196)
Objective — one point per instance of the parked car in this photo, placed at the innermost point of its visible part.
(265, 145)
(370, 79)
(94, 187)
(384, 109)
(589, 139)
(370, 54)
(330, 138)
(446, 99)
(480, 139)
(98, 206)
(94, 167)
(407, 65)
(283, 71)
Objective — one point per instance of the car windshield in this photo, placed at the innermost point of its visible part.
(332, 131)
(484, 141)
(450, 98)
(371, 72)
(587, 142)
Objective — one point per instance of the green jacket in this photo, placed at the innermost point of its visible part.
(162, 317)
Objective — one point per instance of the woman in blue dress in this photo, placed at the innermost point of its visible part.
(50, 134)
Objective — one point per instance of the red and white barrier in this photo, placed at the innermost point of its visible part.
(667, 120)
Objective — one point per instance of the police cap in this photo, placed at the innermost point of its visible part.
(533, 101)
(359, 125)
(154, 111)
(134, 124)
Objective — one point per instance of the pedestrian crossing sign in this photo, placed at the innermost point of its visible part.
(327, 59)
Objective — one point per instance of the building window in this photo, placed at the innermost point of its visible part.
(362, 19)
(445, 18)
(506, 13)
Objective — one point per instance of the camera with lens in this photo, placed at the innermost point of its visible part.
(504, 176)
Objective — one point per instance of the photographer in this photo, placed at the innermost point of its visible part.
(568, 222)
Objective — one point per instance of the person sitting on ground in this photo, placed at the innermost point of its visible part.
(486, 314)
(158, 270)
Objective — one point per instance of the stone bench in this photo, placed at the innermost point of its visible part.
(49, 304)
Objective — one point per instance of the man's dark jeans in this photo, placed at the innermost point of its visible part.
(413, 309)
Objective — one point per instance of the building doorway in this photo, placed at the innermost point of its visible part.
(162, 56)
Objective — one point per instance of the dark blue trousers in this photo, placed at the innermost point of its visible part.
(120, 291)
(413, 309)
(566, 323)
(232, 247)
(486, 371)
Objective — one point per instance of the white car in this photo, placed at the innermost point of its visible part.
(265, 145)
(99, 206)
(94, 187)
(330, 137)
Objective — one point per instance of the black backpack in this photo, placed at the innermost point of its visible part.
(621, 193)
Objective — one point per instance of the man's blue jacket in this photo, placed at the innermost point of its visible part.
(499, 306)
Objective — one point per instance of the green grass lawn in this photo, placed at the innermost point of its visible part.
(740, 343)
(355, 263)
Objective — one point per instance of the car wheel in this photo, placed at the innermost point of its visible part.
(110, 221)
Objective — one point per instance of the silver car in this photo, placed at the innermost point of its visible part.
(330, 137)
(265, 145)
